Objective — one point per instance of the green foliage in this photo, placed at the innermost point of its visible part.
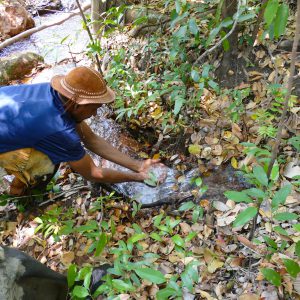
(237, 108)
(54, 221)
(272, 276)
(265, 190)
(74, 277)
(245, 216)
(276, 17)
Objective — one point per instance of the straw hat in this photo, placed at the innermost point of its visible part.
(83, 85)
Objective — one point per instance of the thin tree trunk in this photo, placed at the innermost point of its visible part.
(97, 9)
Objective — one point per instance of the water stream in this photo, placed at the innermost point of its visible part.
(56, 43)
(177, 186)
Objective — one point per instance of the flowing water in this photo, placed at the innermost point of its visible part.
(177, 187)
(55, 43)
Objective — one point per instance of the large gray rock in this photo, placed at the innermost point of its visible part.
(17, 66)
(24, 278)
(13, 19)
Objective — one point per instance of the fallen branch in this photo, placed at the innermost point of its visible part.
(222, 39)
(31, 31)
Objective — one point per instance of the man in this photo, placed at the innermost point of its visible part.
(42, 125)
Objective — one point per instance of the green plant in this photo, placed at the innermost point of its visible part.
(265, 189)
(53, 221)
(237, 108)
(266, 117)
(75, 277)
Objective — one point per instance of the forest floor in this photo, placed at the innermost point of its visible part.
(193, 244)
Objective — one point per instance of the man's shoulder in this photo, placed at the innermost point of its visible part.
(22, 87)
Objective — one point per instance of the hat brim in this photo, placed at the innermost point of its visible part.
(107, 97)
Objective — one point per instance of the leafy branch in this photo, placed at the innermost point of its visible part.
(199, 59)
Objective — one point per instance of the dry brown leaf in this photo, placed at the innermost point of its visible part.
(211, 140)
(236, 262)
(185, 227)
(206, 295)
(216, 149)
(272, 76)
(249, 296)
(255, 73)
(236, 130)
(123, 296)
(297, 284)
(67, 258)
(213, 263)
(220, 206)
(256, 78)
(206, 152)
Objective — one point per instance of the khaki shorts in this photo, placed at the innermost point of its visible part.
(28, 165)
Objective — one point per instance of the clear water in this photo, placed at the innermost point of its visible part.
(56, 43)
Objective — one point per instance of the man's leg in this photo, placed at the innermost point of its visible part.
(30, 168)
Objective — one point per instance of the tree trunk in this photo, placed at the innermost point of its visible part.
(98, 7)
(231, 70)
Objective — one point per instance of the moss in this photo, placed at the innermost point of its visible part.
(16, 67)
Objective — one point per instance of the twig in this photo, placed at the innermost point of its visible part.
(90, 35)
(72, 192)
(222, 39)
(31, 31)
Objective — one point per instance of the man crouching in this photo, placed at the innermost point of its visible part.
(42, 125)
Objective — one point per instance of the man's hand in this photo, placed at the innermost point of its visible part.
(146, 166)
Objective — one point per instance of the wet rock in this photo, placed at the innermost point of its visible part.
(17, 66)
(14, 19)
(45, 7)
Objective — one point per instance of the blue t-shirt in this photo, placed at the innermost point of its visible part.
(33, 116)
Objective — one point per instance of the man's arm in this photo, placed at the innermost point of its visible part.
(102, 148)
(90, 171)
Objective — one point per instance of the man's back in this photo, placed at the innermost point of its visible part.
(33, 116)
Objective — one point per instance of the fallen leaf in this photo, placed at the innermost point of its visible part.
(67, 258)
(195, 149)
(206, 295)
(216, 149)
(220, 206)
(213, 263)
(234, 163)
(249, 296)
(185, 227)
